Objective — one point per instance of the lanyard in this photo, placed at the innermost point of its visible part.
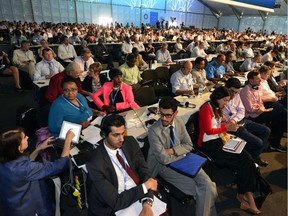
(73, 105)
(66, 48)
(113, 96)
(122, 170)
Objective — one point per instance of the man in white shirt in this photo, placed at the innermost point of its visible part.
(66, 51)
(23, 58)
(163, 54)
(182, 81)
(251, 64)
(198, 51)
(126, 47)
(85, 60)
(248, 50)
(269, 56)
(48, 67)
(118, 173)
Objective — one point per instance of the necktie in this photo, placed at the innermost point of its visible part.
(130, 172)
(85, 66)
(171, 137)
(18, 42)
(51, 69)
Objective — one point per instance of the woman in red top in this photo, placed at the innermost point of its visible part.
(212, 124)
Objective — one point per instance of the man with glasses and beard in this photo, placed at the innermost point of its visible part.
(169, 141)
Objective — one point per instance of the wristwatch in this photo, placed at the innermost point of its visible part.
(149, 201)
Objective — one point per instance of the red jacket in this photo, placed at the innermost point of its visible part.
(55, 88)
(205, 123)
(106, 89)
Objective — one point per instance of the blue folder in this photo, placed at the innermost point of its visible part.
(189, 165)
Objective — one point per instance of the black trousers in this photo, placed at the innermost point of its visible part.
(241, 163)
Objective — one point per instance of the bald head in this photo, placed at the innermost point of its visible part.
(187, 68)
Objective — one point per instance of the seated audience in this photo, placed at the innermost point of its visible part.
(255, 110)
(70, 106)
(140, 63)
(169, 142)
(251, 64)
(255, 134)
(178, 47)
(269, 56)
(182, 80)
(211, 126)
(23, 190)
(6, 69)
(55, 87)
(37, 37)
(126, 47)
(17, 38)
(85, 60)
(229, 68)
(150, 49)
(199, 73)
(267, 95)
(131, 74)
(117, 96)
(74, 39)
(66, 51)
(275, 86)
(215, 70)
(163, 54)
(102, 54)
(140, 47)
(248, 51)
(44, 45)
(24, 60)
(48, 67)
(107, 168)
(198, 51)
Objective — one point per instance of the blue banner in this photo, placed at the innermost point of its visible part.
(153, 18)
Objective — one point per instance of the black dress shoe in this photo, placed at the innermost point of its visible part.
(261, 163)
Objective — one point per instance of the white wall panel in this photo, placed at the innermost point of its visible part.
(64, 11)
(228, 22)
(55, 11)
(209, 21)
(7, 11)
(17, 9)
(27, 10)
(277, 24)
(256, 23)
(37, 10)
(194, 20)
(71, 12)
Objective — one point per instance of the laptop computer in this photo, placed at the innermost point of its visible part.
(76, 128)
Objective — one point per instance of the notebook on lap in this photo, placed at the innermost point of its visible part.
(189, 165)
(76, 128)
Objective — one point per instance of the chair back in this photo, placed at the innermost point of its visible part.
(145, 96)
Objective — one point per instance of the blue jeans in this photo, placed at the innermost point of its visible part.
(256, 135)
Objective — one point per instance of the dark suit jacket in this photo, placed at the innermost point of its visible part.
(103, 195)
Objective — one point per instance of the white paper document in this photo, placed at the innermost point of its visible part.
(234, 145)
(91, 134)
(158, 207)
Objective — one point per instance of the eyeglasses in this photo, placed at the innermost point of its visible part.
(70, 90)
(165, 115)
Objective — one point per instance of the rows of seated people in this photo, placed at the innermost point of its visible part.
(251, 113)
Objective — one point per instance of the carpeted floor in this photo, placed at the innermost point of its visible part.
(227, 205)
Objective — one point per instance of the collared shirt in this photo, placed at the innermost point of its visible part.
(198, 52)
(267, 57)
(214, 70)
(179, 81)
(65, 52)
(248, 52)
(139, 46)
(234, 110)
(229, 67)
(163, 57)
(251, 100)
(265, 91)
(121, 172)
(199, 75)
(126, 48)
(248, 65)
(42, 69)
(131, 75)
(178, 47)
(19, 56)
(81, 62)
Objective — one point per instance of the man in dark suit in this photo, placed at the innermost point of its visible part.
(116, 185)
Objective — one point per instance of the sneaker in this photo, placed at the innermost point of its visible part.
(279, 148)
